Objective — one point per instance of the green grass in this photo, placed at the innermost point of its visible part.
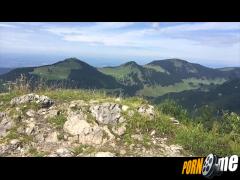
(13, 134)
(196, 139)
(187, 84)
(70, 95)
(56, 72)
(157, 68)
(83, 149)
(121, 72)
(35, 153)
(58, 121)
(222, 138)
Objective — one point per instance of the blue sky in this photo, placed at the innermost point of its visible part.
(215, 44)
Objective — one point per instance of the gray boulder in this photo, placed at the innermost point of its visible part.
(106, 113)
(44, 101)
(5, 124)
(87, 133)
(147, 110)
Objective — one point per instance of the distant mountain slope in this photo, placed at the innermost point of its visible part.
(70, 72)
(163, 76)
(225, 96)
(151, 80)
(183, 69)
(4, 70)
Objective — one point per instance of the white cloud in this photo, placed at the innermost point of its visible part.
(7, 25)
(183, 40)
(113, 25)
(217, 26)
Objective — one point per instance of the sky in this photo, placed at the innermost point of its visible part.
(213, 44)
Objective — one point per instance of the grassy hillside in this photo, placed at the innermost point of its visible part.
(70, 73)
(196, 137)
(222, 97)
(164, 76)
(186, 84)
(151, 80)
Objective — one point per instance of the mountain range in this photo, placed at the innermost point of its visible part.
(189, 83)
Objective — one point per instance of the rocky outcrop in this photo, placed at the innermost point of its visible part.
(107, 113)
(6, 123)
(147, 110)
(44, 101)
(87, 133)
(77, 128)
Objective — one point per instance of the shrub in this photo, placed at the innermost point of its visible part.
(170, 107)
(197, 140)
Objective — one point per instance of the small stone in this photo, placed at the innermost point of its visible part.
(73, 139)
(21, 130)
(130, 113)
(153, 133)
(118, 99)
(137, 137)
(104, 154)
(30, 113)
(30, 128)
(122, 152)
(125, 108)
(119, 130)
(51, 155)
(65, 137)
(110, 135)
(121, 120)
(154, 142)
(131, 146)
(113, 144)
(146, 110)
(14, 142)
(174, 121)
(52, 113)
(64, 152)
(52, 137)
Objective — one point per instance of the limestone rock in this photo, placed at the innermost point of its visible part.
(5, 124)
(30, 113)
(30, 128)
(174, 121)
(125, 108)
(76, 124)
(104, 154)
(64, 152)
(146, 110)
(106, 113)
(44, 101)
(137, 137)
(110, 135)
(86, 132)
(15, 142)
(122, 152)
(119, 130)
(52, 138)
